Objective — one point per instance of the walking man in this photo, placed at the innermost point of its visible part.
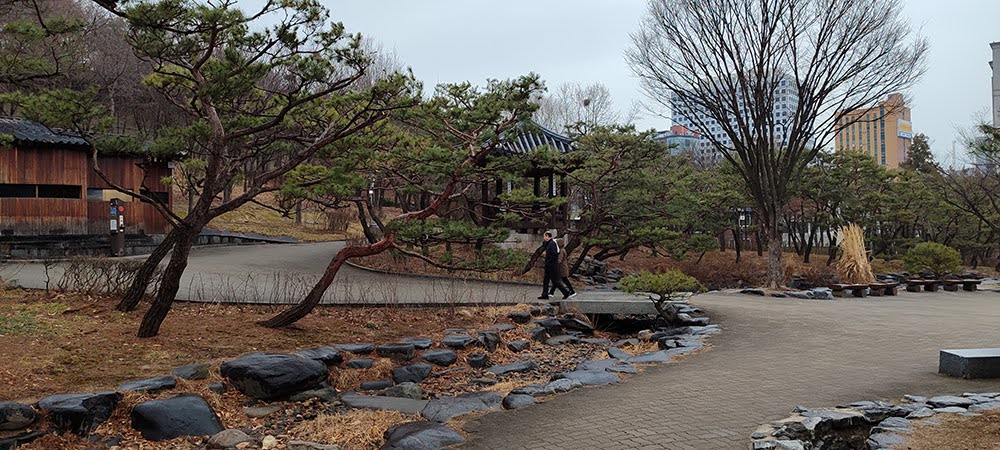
(551, 268)
(563, 269)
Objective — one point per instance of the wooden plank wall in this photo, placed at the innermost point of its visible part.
(43, 216)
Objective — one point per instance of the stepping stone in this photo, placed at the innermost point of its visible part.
(478, 360)
(944, 401)
(443, 357)
(398, 351)
(357, 349)
(183, 415)
(608, 365)
(572, 323)
(404, 390)
(518, 346)
(79, 413)
(413, 373)
(618, 353)
(273, 376)
(360, 363)
(550, 388)
(420, 435)
(562, 340)
(458, 341)
(150, 385)
(519, 317)
(591, 377)
(326, 355)
(985, 406)
(454, 331)
(419, 343)
(520, 366)
(595, 341)
(405, 405)
(650, 358)
(257, 412)
(217, 388)
(192, 372)
(228, 439)
(517, 401)
(538, 333)
(504, 327)
(443, 409)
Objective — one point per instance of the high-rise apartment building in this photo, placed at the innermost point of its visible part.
(785, 101)
(884, 131)
(995, 65)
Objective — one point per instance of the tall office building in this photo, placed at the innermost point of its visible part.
(884, 131)
(785, 101)
(995, 65)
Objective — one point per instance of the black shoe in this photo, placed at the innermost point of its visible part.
(544, 297)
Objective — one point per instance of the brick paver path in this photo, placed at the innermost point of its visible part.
(773, 354)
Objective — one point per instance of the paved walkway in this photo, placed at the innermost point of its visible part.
(284, 273)
(773, 354)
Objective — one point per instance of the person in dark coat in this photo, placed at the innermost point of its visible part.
(551, 268)
(563, 270)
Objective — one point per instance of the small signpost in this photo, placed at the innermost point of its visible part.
(117, 225)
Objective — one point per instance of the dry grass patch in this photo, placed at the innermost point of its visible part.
(956, 432)
(504, 387)
(642, 347)
(360, 428)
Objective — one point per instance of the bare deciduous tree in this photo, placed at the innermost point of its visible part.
(577, 107)
(729, 62)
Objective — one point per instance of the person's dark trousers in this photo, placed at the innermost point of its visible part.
(565, 282)
(552, 277)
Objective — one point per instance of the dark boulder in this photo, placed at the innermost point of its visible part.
(418, 343)
(517, 401)
(520, 366)
(272, 376)
(443, 357)
(422, 435)
(539, 333)
(192, 372)
(504, 327)
(397, 351)
(518, 346)
(618, 353)
(328, 395)
(458, 341)
(360, 363)
(443, 409)
(357, 349)
(572, 323)
(217, 388)
(413, 373)
(405, 390)
(519, 317)
(551, 324)
(489, 340)
(183, 415)
(591, 377)
(15, 416)
(477, 360)
(562, 340)
(326, 355)
(150, 384)
(79, 413)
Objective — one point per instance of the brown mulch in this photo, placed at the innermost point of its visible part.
(72, 343)
(956, 432)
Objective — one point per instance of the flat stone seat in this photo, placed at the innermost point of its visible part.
(967, 285)
(880, 289)
(970, 363)
(856, 290)
(927, 285)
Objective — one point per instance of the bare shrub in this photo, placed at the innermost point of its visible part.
(90, 275)
(339, 219)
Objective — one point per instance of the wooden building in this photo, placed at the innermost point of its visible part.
(48, 186)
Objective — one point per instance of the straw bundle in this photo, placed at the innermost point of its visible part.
(853, 266)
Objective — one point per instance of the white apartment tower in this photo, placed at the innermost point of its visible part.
(785, 100)
(995, 65)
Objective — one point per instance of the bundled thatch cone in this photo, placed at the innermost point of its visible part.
(853, 266)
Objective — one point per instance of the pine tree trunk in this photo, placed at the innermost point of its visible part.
(143, 276)
(297, 312)
(169, 285)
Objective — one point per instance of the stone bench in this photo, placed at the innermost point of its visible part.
(927, 285)
(970, 363)
(856, 290)
(967, 285)
(880, 289)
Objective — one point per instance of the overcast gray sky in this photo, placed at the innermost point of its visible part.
(584, 41)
